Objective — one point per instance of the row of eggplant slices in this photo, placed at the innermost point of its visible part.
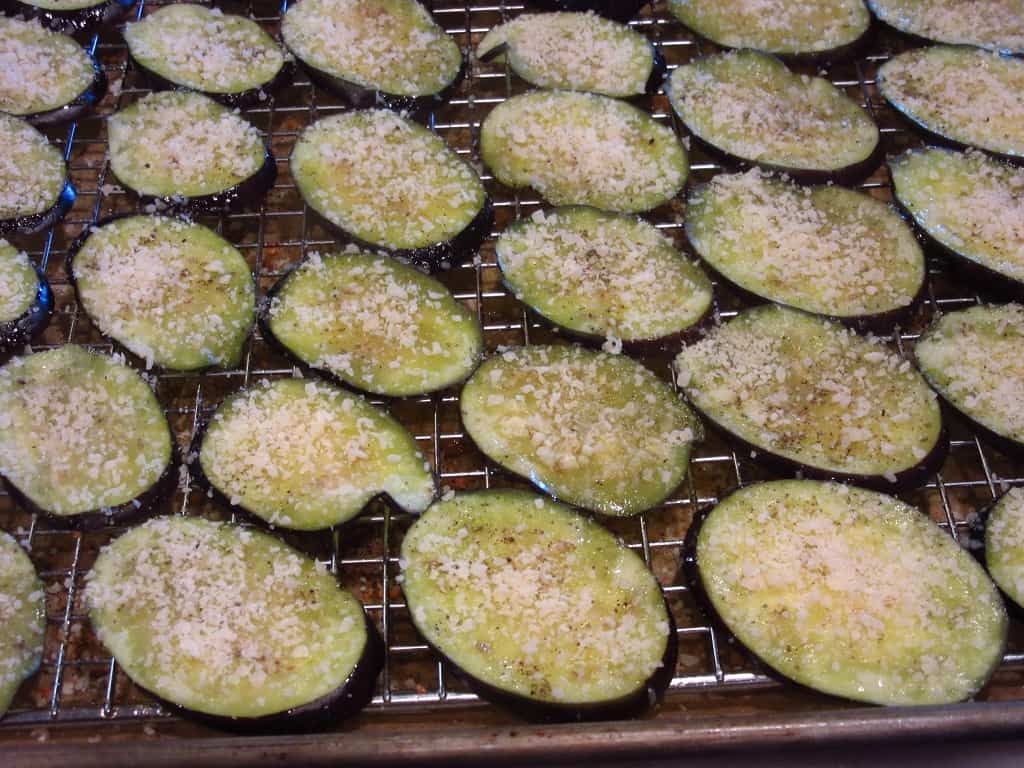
(593, 429)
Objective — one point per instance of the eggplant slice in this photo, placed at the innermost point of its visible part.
(603, 275)
(826, 250)
(595, 430)
(70, 16)
(22, 619)
(749, 107)
(996, 25)
(576, 52)
(849, 592)
(971, 206)
(973, 359)
(819, 30)
(808, 394)
(373, 323)
(306, 455)
(230, 58)
(960, 95)
(35, 192)
(583, 149)
(48, 77)
(26, 301)
(174, 293)
(540, 608)
(1003, 552)
(230, 625)
(619, 10)
(389, 183)
(388, 53)
(83, 440)
(183, 151)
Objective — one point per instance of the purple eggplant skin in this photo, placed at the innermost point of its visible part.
(16, 333)
(80, 105)
(619, 10)
(70, 22)
(254, 97)
(1005, 445)
(976, 527)
(37, 222)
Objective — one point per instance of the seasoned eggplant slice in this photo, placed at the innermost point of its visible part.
(826, 250)
(69, 16)
(1004, 544)
(373, 323)
(997, 25)
(583, 149)
(961, 95)
(387, 53)
(750, 107)
(174, 293)
(232, 626)
(603, 275)
(620, 10)
(22, 619)
(849, 592)
(822, 29)
(26, 301)
(971, 206)
(307, 455)
(35, 192)
(542, 609)
(595, 430)
(812, 395)
(576, 52)
(83, 439)
(389, 183)
(183, 151)
(973, 359)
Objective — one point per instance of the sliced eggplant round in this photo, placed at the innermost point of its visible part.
(973, 359)
(971, 206)
(749, 107)
(388, 53)
(595, 430)
(35, 192)
(228, 57)
(22, 619)
(822, 29)
(172, 292)
(603, 275)
(183, 151)
(69, 16)
(576, 52)
(960, 95)
(45, 77)
(620, 10)
(805, 393)
(849, 592)
(540, 608)
(1004, 544)
(232, 626)
(83, 440)
(583, 149)
(997, 25)
(373, 323)
(389, 183)
(26, 301)
(306, 455)
(826, 250)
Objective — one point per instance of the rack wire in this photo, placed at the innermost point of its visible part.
(79, 681)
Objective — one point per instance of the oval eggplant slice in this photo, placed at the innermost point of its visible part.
(822, 29)
(389, 183)
(69, 16)
(387, 53)
(228, 57)
(35, 192)
(45, 77)
(576, 52)
(595, 430)
(183, 150)
(603, 275)
(973, 359)
(373, 323)
(174, 293)
(619, 10)
(971, 206)
(232, 626)
(26, 301)
(825, 250)
(83, 439)
(22, 619)
(813, 395)
(960, 95)
(750, 107)
(543, 610)
(1004, 544)
(849, 592)
(583, 149)
(307, 455)
(997, 25)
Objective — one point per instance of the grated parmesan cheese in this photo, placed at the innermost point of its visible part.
(19, 284)
(994, 24)
(22, 618)
(32, 171)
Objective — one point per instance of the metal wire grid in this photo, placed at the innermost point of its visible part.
(80, 682)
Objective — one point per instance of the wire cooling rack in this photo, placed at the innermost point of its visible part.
(79, 682)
